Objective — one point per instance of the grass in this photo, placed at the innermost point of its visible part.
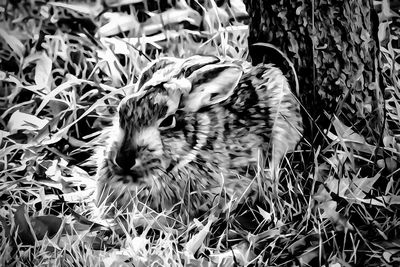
(335, 204)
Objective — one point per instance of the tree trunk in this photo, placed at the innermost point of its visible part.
(334, 47)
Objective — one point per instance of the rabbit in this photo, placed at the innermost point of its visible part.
(194, 128)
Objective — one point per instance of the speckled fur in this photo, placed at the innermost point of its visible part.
(215, 146)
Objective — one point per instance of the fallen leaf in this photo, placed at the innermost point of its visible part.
(383, 201)
(389, 163)
(13, 42)
(383, 31)
(24, 121)
(329, 212)
(338, 186)
(308, 256)
(266, 215)
(115, 259)
(172, 16)
(386, 13)
(362, 186)
(137, 245)
(115, 3)
(110, 65)
(25, 233)
(119, 22)
(350, 138)
(194, 244)
(3, 134)
(53, 171)
(238, 8)
(43, 75)
(390, 255)
(91, 10)
(78, 196)
(71, 81)
(46, 225)
(35, 228)
(239, 255)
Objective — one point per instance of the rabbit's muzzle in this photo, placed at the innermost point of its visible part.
(134, 155)
(135, 171)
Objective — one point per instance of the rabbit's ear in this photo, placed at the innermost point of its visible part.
(149, 73)
(211, 84)
(196, 62)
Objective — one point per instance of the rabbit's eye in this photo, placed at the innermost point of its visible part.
(168, 123)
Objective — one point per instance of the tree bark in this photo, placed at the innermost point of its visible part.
(334, 47)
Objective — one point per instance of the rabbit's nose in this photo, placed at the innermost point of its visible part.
(125, 160)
